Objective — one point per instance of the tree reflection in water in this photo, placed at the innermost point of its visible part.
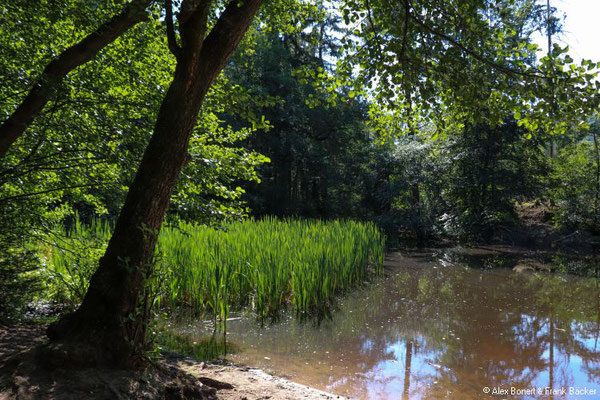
(434, 329)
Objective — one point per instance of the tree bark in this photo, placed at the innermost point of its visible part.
(78, 54)
(596, 218)
(100, 324)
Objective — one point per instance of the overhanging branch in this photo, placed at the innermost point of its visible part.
(171, 36)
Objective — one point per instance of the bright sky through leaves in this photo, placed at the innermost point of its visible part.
(581, 28)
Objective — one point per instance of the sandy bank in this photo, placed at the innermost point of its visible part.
(169, 377)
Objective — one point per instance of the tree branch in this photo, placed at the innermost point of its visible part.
(20, 196)
(478, 56)
(405, 30)
(373, 26)
(225, 36)
(193, 21)
(171, 37)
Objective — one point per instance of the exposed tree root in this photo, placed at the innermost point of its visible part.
(23, 376)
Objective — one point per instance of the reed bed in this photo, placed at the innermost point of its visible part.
(263, 265)
(269, 264)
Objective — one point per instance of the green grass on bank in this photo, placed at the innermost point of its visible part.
(206, 349)
(264, 265)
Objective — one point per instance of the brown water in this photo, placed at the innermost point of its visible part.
(434, 328)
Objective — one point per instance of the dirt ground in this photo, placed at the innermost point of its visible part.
(170, 377)
(253, 384)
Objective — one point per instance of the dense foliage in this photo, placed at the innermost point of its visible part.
(83, 150)
(432, 119)
(488, 170)
(317, 146)
(575, 187)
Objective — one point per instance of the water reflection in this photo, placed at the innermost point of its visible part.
(440, 330)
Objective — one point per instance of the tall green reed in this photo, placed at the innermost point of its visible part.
(263, 265)
(269, 264)
(71, 256)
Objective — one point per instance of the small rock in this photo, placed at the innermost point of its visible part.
(215, 383)
(523, 268)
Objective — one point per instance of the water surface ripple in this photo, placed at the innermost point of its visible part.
(440, 330)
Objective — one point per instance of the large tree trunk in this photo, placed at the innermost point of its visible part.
(78, 54)
(99, 329)
(596, 217)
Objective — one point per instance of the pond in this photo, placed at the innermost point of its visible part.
(435, 327)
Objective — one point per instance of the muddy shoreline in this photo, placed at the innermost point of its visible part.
(171, 376)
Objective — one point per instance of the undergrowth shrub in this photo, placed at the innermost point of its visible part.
(575, 192)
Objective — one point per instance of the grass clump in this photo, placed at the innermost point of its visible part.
(205, 349)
